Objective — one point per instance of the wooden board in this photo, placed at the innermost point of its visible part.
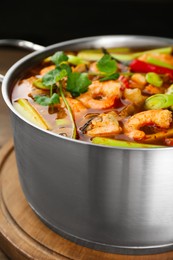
(24, 236)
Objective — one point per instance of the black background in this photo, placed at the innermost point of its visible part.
(48, 22)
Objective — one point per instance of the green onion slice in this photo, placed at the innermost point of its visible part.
(154, 79)
(159, 101)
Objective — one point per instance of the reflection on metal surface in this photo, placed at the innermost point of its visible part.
(21, 44)
(1, 77)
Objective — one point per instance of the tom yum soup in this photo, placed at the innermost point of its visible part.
(117, 97)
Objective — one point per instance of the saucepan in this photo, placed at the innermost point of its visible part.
(112, 199)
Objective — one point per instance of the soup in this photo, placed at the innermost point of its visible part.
(117, 97)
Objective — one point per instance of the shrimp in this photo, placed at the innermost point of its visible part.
(101, 95)
(138, 80)
(76, 105)
(105, 124)
(160, 118)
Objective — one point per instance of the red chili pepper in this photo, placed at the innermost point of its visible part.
(144, 67)
(124, 82)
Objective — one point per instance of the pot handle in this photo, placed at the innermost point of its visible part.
(27, 45)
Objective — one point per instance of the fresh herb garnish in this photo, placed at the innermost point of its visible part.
(77, 83)
(113, 76)
(107, 65)
(47, 101)
(59, 57)
(51, 77)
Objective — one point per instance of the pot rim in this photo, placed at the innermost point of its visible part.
(102, 39)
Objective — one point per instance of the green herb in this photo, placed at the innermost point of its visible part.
(48, 79)
(77, 83)
(59, 57)
(113, 76)
(107, 65)
(47, 101)
(65, 66)
(38, 83)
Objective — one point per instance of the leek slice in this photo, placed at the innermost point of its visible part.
(26, 110)
(154, 79)
(90, 55)
(159, 101)
(120, 143)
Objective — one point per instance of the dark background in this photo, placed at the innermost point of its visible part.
(48, 22)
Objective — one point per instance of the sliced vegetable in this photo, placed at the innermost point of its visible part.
(170, 89)
(154, 79)
(159, 101)
(62, 122)
(30, 113)
(90, 55)
(39, 84)
(158, 62)
(119, 143)
(75, 60)
(74, 133)
(144, 67)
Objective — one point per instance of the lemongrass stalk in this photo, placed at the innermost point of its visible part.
(26, 110)
(120, 143)
(74, 131)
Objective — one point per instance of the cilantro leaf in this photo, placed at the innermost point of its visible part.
(60, 75)
(50, 78)
(107, 65)
(77, 83)
(110, 77)
(66, 67)
(59, 57)
(46, 101)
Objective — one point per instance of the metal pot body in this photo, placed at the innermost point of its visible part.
(110, 199)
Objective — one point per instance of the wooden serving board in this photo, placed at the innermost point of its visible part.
(24, 236)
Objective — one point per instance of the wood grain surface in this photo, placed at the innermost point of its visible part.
(24, 236)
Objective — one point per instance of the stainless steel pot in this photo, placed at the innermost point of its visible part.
(111, 199)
